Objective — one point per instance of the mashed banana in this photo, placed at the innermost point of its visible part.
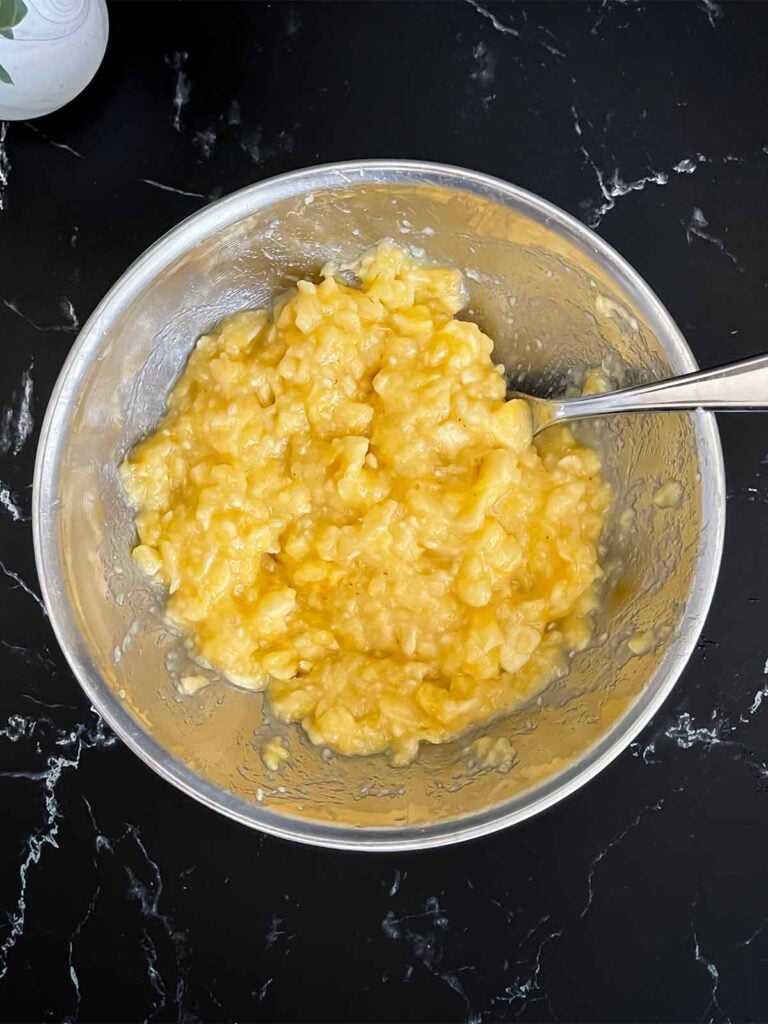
(349, 515)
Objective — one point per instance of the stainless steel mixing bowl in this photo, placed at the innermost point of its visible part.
(556, 298)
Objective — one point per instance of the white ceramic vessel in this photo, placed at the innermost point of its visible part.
(49, 52)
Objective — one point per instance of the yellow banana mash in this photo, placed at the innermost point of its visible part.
(348, 515)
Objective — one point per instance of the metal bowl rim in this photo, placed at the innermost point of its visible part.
(162, 253)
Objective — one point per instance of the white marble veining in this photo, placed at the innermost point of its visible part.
(165, 975)
(713, 11)
(483, 74)
(688, 165)
(714, 974)
(721, 733)
(10, 504)
(181, 86)
(505, 30)
(205, 140)
(16, 727)
(16, 422)
(611, 845)
(422, 931)
(71, 325)
(697, 228)
(171, 188)
(147, 894)
(509, 30)
(11, 575)
(275, 932)
(73, 975)
(613, 186)
(153, 974)
(58, 145)
(74, 742)
(35, 846)
(760, 694)
(527, 989)
(5, 164)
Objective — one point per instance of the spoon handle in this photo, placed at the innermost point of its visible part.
(738, 386)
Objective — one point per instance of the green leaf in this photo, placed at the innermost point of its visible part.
(5, 78)
(11, 12)
(7, 32)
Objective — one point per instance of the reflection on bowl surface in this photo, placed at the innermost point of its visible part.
(554, 298)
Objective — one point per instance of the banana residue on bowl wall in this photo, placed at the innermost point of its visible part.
(532, 280)
(274, 753)
(668, 495)
(490, 753)
(190, 685)
(349, 515)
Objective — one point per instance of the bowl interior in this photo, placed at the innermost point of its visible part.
(557, 302)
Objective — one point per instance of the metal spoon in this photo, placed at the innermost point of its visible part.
(738, 387)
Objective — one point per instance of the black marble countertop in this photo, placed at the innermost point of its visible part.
(644, 897)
